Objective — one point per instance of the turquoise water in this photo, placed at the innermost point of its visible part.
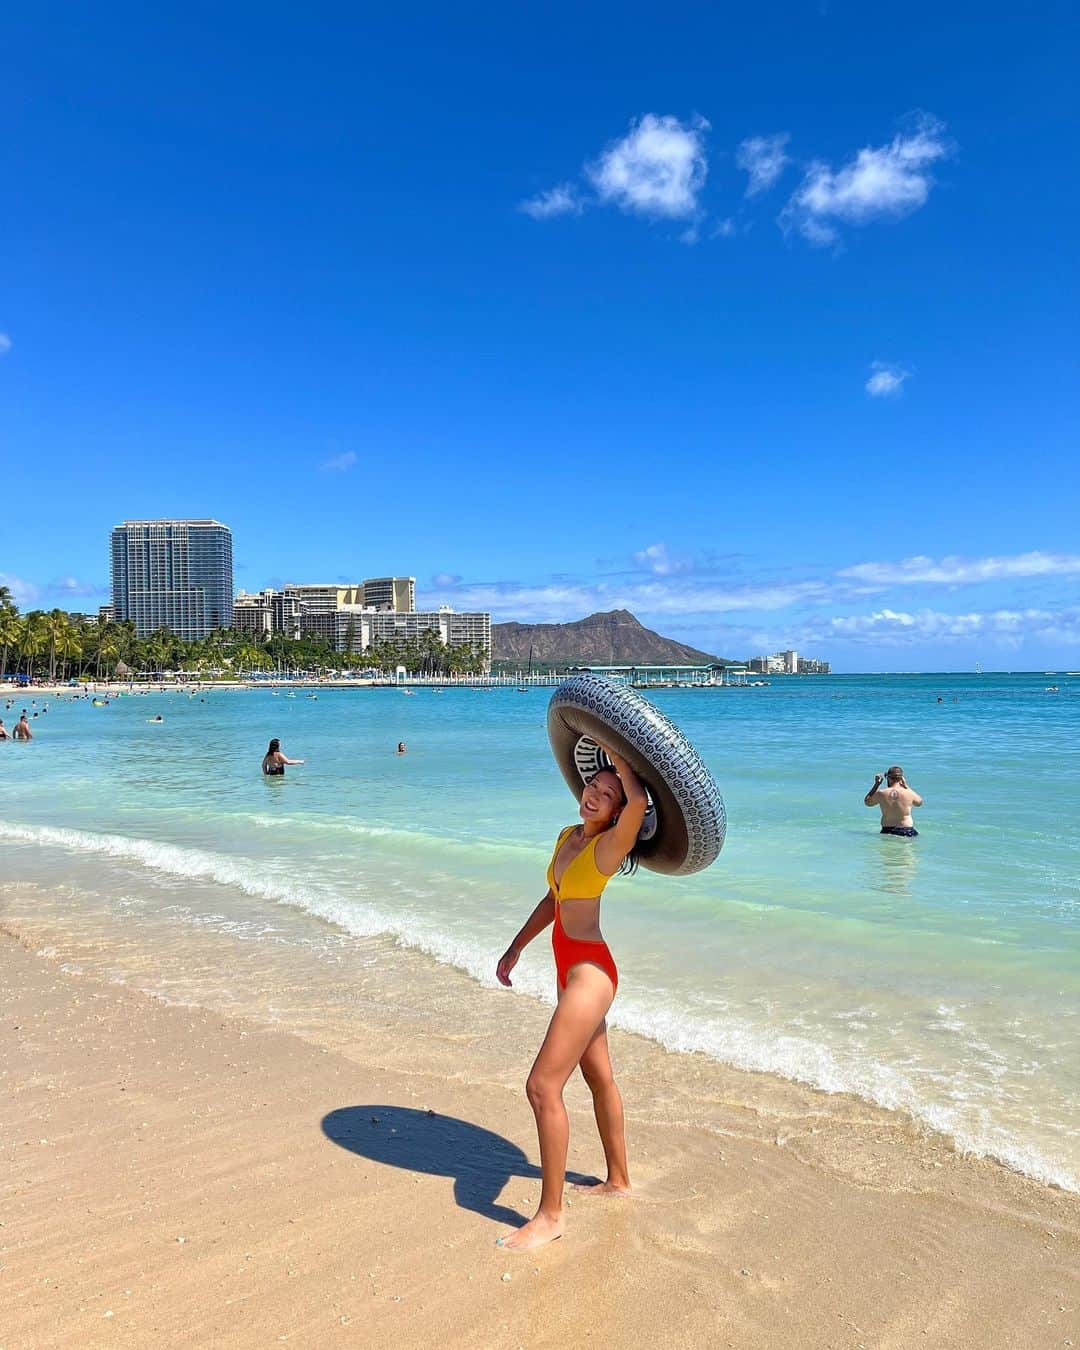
(939, 976)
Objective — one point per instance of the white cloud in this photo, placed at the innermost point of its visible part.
(339, 463)
(1006, 627)
(561, 200)
(881, 182)
(956, 571)
(723, 229)
(22, 592)
(886, 380)
(657, 560)
(72, 586)
(764, 160)
(560, 601)
(445, 579)
(657, 169)
(5, 344)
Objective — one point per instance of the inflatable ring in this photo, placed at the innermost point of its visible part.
(685, 824)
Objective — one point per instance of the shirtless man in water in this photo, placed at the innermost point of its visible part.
(895, 799)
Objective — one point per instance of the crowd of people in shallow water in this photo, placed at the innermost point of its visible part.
(273, 763)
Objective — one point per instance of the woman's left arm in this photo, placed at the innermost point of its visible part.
(616, 843)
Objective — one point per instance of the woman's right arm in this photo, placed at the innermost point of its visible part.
(538, 920)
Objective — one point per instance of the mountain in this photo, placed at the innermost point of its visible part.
(607, 639)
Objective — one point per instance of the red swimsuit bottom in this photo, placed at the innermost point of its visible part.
(570, 952)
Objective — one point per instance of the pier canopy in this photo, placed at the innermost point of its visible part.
(666, 676)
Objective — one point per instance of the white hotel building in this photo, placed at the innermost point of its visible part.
(353, 617)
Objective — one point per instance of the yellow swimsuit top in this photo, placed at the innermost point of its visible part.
(582, 879)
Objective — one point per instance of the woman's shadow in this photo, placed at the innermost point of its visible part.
(480, 1161)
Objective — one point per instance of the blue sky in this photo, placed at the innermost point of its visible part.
(757, 320)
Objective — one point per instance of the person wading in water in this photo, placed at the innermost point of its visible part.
(896, 800)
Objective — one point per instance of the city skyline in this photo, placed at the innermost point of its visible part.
(753, 655)
(762, 339)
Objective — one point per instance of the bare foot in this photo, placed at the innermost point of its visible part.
(538, 1232)
(601, 1188)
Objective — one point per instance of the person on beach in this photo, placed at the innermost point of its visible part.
(896, 801)
(273, 765)
(21, 731)
(586, 856)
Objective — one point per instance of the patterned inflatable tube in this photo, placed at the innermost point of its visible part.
(686, 822)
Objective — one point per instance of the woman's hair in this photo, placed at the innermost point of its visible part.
(629, 864)
(273, 747)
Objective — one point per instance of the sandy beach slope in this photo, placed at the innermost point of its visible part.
(174, 1177)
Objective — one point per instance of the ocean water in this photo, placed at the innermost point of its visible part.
(939, 976)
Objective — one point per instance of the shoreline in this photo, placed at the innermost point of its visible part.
(767, 1213)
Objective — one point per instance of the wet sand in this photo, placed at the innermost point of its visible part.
(180, 1176)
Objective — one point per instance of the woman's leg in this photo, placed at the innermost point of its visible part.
(607, 1105)
(582, 1005)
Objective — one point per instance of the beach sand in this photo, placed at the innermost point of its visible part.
(182, 1176)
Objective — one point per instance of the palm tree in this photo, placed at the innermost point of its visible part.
(108, 649)
(54, 625)
(31, 639)
(9, 632)
(70, 645)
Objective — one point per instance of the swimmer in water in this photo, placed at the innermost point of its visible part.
(401, 747)
(21, 731)
(158, 718)
(273, 765)
(896, 800)
(586, 856)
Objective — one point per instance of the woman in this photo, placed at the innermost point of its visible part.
(612, 808)
(274, 761)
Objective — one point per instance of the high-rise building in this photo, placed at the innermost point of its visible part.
(395, 593)
(325, 599)
(175, 574)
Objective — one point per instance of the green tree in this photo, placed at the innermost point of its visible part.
(69, 645)
(55, 626)
(31, 639)
(9, 633)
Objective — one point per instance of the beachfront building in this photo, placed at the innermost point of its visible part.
(355, 628)
(175, 574)
(351, 617)
(396, 594)
(788, 663)
(325, 599)
(393, 593)
(253, 614)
